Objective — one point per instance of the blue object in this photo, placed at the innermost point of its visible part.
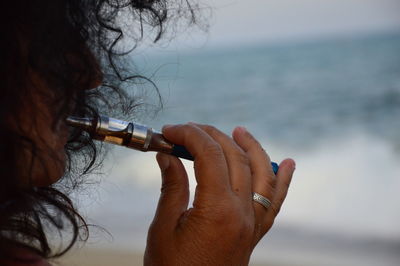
(275, 167)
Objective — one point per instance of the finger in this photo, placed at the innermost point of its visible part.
(237, 160)
(264, 179)
(284, 177)
(260, 163)
(174, 196)
(210, 166)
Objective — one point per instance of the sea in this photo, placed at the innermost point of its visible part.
(333, 105)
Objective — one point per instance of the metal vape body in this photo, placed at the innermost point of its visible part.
(131, 135)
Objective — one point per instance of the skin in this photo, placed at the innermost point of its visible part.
(224, 224)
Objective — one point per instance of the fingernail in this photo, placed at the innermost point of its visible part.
(241, 130)
(163, 161)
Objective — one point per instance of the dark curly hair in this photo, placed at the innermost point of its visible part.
(68, 43)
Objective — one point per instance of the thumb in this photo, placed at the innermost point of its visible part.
(174, 196)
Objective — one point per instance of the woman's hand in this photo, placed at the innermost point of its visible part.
(225, 224)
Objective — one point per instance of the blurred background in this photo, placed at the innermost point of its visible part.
(318, 81)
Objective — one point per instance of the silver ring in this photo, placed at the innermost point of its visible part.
(261, 199)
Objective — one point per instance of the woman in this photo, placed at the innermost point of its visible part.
(65, 57)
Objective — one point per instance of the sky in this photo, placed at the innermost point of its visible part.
(234, 22)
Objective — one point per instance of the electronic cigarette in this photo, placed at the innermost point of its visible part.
(131, 135)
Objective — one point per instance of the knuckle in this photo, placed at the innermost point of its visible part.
(188, 127)
(170, 187)
(254, 141)
(276, 208)
(242, 157)
(268, 183)
(247, 227)
(227, 214)
(271, 182)
(189, 131)
(210, 129)
(264, 153)
(213, 149)
(214, 132)
(286, 182)
(238, 225)
(258, 148)
(268, 224)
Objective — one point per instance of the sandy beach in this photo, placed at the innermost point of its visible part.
(107, 257)
(100, 257)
